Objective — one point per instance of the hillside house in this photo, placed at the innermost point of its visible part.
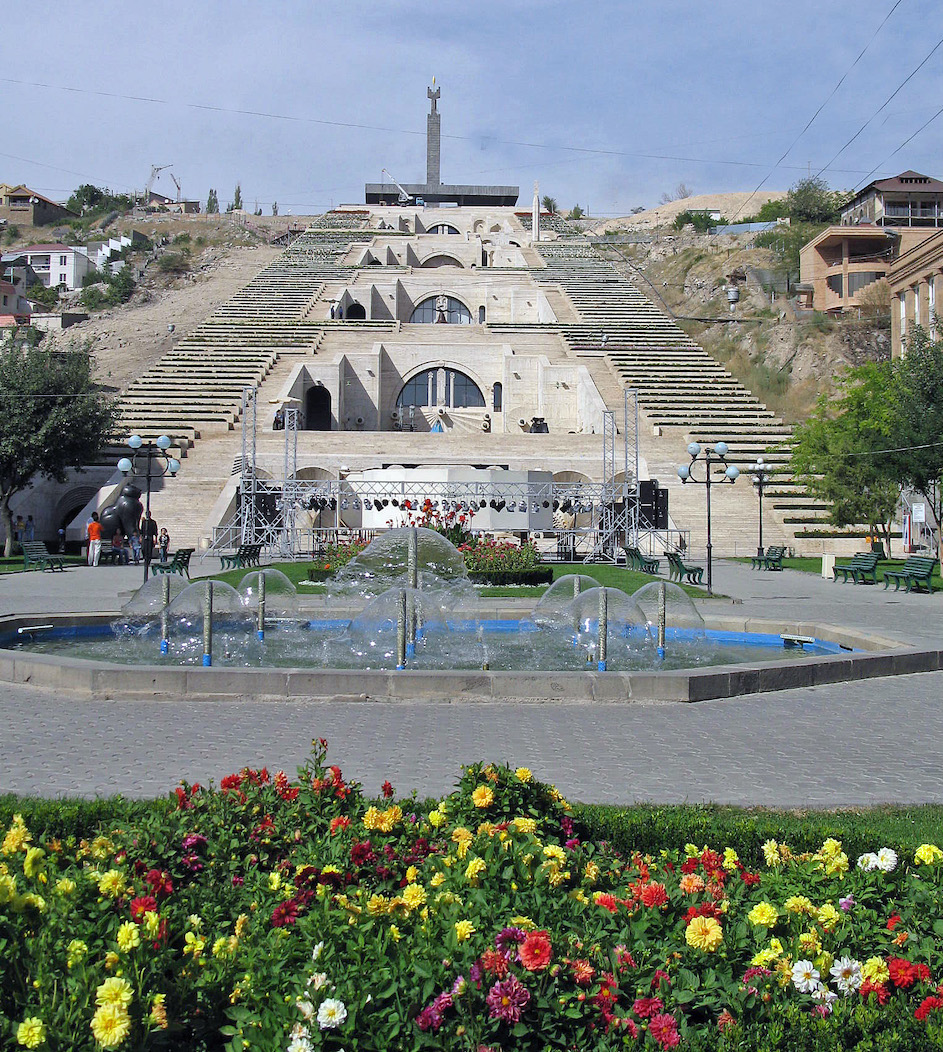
(19, 204)
(59, 266)
(907, 200)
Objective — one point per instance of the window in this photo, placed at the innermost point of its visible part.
(443, 228)
(902, 300)
(931, 305)
(916, 291)
(441, 309)
(457, 390)
(498, 401)
(63, 260)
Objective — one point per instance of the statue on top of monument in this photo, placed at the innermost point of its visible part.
(434, 95)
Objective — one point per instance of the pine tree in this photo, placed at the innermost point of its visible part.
(237, 198)
(212, 203)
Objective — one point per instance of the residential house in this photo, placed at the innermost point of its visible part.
(916, 281)
(19, 204)
(908, 200)
(59, 266)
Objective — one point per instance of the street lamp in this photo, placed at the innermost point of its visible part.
(760, 478)
(712, 455)
(158, 463)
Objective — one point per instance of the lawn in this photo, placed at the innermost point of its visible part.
(813, 564)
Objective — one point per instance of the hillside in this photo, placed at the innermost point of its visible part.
(732, 207)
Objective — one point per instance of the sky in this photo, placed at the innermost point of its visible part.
(605, 104)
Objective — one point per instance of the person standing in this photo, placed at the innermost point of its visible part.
(163, 545)
(30, 532)
(136, 547)
(93, 533)
(149, 537)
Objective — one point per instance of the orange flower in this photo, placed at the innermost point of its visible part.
(535, 951)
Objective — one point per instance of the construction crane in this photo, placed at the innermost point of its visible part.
(155, 170)
(403, 198)
(177, 184)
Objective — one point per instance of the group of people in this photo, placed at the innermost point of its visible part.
(140, 545)
(24, 531)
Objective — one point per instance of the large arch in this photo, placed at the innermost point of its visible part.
(317, 409)
(442, 385)
(441, 259)
(430, 311)
(443, 228)
(355, 312)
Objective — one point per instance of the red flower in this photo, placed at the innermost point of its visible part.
(494, 963)
(340, 822)
(928, 1005)
(141, 905)
(654, 895)
(535, 951)
(664, 1030)
(284, 788)
(645, 1007)
(284, 914)
(387, 790)
(607, 901)
(903, 973)
(893, 921)
(583, 972)
(879, 990)
(750, 879)
(160, 882)
(725, 1019)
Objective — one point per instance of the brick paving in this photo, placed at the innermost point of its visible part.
(875, 741)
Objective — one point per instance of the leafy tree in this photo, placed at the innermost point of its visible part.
(550, 205)
(94, 201)
(576, 212)
(237, 199)
(212, 203)
(787, 242)
(811, 201)
(274, 208)
(702, 223)
(53, 418)
(769, 212)
(841, 451)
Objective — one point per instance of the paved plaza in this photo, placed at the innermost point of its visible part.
(865, 742)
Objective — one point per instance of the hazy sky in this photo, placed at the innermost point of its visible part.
(605, 103)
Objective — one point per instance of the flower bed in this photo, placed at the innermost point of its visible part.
(542, 575)
(333, 557)
(280, 914)
(482, 555)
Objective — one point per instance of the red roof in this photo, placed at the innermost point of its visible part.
(46, 248)
(6, 287)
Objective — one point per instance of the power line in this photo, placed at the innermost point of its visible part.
(909, 77)
(926, 124)
(822, 106)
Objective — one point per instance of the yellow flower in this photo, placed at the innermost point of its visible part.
(110, 1025)
(414, 896)
(810, 942)
(17, 837)
(828, 916)
(771, 853)
(555, 852)
(591, 872)
(776, 946)
(704, 933)
(112, 960)
(114, 991)
(65, 886)
(524, 774)
(152, 924)
(928, 854)
(831, 848)
(464, 929)
(158, 1014)
(763, 959)
(731, 858)
(111, 884)
(411, 874)
(241, 923)
(437, 880)
(437, 819)
(523, 922)
(274, 881)
(692, 851)
(525, 825)
(474, 869)
(31, 1032)
(129, 937)
(221, 947)
(7, 888)
(75, 951)
(33, 864)
(763, 913)
(371, 818)
(102, 848)
(799, 904)
(483, 796)
(193, 944)
(486, 828)
(836, 864)
(875, 970)
(377, 905)
(394, 933)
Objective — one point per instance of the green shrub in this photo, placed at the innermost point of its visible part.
(173, 263)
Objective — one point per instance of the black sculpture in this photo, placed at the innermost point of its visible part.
(124, 514)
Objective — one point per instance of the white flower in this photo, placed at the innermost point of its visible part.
(318, 981)
(299, 1043)
(847, 974)
(317, 951)
(824, 995)
(805, 976)
(867, 862)
(331, 1014)
(306, 1008)
(886, 860)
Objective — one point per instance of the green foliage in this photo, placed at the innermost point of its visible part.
(49, 297)
(173, 263)
(11, 233)
(787, 242)
(53, 418)
(769, 212)
(236, 202)
(576, 212)
(118, 289)
(93, 201)
(181, 239)
(702, 223)
(812, 201)
(212, 203)
(549, 204)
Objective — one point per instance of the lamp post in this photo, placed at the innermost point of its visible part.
(760, 478)
(712, 455)
(157, 464)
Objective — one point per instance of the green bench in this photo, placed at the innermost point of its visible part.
(642, 563)
(771, 559)
(917, 570)
(862, 569)
(677, 570)
(36, 556)
(180, 563)
(244, 556)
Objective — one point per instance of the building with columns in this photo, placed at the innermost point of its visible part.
(916, 281)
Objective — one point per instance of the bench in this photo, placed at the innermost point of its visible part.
(863, 566)
(678, 570)
(642, 563)
(180, 563)
(772, 559)
(36, 556)
(917, 570)
(244, 556)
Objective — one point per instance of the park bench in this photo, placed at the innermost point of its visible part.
(917, 570)
(180, 563)
(244, 556)
(862, 569)
(642, 563)
(678, 570)
(771, 559)
(36, 556)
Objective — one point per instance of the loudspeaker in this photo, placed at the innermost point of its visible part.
(647, 490)
(661, 509)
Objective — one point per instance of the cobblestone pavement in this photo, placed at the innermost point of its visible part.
(859, 743)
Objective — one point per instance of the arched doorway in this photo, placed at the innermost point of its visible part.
(317, 409)
(355, 312)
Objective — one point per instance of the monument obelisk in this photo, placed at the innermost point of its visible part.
(433, 138)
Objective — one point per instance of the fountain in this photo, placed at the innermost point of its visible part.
(404, 615)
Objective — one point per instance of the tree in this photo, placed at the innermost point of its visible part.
(550, 205)
(274, 208)
(236, 200)
(53, 418)
(212, 203)
(681, 192)
(94, 201)
(812, 201)
(576, 212)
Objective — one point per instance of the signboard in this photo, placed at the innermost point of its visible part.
(919, 512)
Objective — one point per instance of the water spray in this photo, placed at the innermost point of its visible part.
(603, 629)
(662, 601)
(401, 632)
(164, 615)
(208, 625)
(261, 629)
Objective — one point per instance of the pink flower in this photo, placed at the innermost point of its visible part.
(664, 1030)
(507, 999)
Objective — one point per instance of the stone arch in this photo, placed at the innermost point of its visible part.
(441, 259)
(355, 312)
(317, 415)
(426, 312)
(71, 504)
(423, 388)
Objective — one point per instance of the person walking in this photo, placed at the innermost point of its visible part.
(163, 544)
(93, 533)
